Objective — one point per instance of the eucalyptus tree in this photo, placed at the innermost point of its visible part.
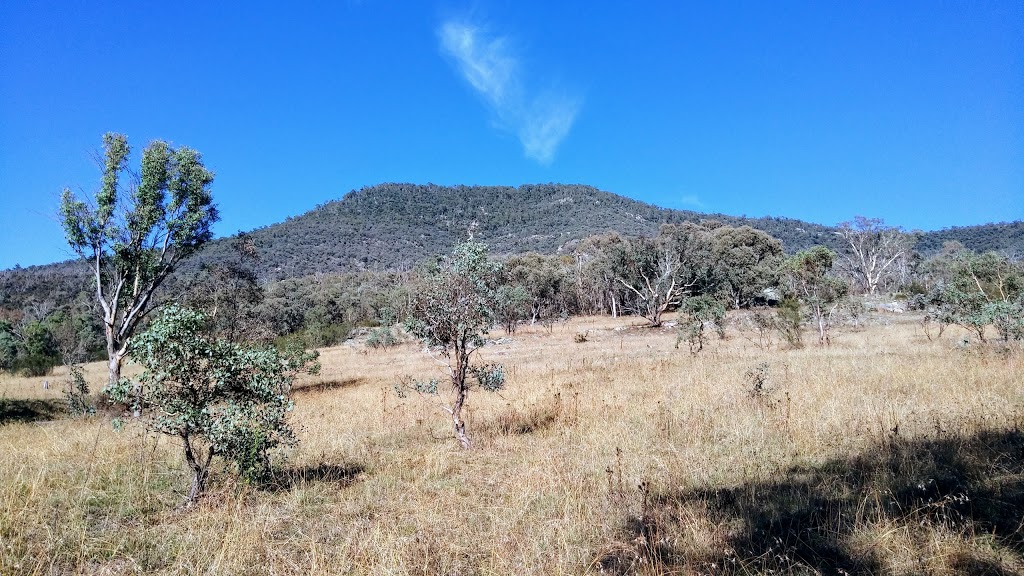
(982, 290)
(221, 399)
(544, 278)
(592, 277)
(451, 312)
(659, 273)
(746, 262)
(810, 280)
(136, 230)
(651, 274)
(871, 250)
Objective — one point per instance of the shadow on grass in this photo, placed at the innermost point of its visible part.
(807, 520)
(342, 475)
(513, 422)
(328, 385)
(30, 410)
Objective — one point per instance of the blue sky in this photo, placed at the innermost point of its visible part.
(908, 111)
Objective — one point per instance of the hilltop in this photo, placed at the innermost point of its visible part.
(394, 226)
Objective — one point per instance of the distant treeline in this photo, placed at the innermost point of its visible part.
(395, 226)
(49, 314)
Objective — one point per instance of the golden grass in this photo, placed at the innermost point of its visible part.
(620, 454)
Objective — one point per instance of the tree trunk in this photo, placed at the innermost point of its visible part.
(114, 366)
(822, 338)
(200, 469)
(198, 485)
(458, 424)
(115, 358)
(459, 386)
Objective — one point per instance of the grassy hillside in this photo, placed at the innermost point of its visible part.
(885, 453)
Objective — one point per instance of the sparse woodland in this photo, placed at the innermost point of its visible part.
(677, 396)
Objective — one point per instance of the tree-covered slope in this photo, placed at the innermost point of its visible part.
(397, 225)
(1005, 237)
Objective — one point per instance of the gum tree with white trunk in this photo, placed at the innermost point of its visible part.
(136, 231)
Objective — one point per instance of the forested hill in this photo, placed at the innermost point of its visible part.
(1005, 237)
(393, 226)
(398, 225)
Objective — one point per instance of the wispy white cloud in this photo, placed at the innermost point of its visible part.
(690, 200)
(489, 65)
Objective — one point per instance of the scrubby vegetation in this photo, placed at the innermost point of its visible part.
(883, 453)
(893, 446)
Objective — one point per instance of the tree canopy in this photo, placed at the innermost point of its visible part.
(137, 230)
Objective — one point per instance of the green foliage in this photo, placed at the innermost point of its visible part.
(511, 305)
(490, 377)
(695, 316)
(454, 305)
(381, 337)
(980, 290)
(1005, 237)
(138, 231)
(220, 398)
(8, 346)
(659, 273)
(809, 279)
(545, 280)
(322, 330)
(76, 393)
(789, 322)
(452, 310)
(690, 260)
(746, 263)
(407, 384)
(38, 353)
(323, 309)
(1007, 318)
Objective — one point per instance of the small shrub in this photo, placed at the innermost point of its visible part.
(581, 337)
(788, 321)
(76, 393)
(762, 324)
(407, 384)
(1007, 318)
(490, 377)
(758, 378)
(382, 338)
(36, 365)
(696, 315)
(219, 398)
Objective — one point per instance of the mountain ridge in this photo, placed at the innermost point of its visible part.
(397, 225)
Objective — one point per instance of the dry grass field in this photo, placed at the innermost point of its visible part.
(885, 453)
